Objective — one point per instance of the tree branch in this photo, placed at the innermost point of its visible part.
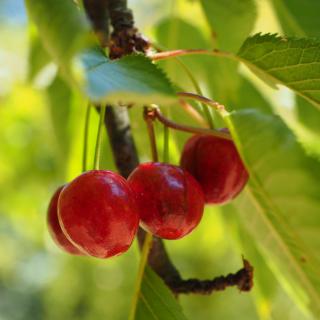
(123, 147)
(97, 13)
(125, 39)
(243, 279)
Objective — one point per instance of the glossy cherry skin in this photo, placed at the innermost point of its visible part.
(98, 213)
(170, 200)
(216, 165)
(54, 226)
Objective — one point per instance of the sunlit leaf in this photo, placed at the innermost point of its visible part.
(272, 301)
(280, 206)
(301, 21)
(230, 23)
(250, 97)
(221, 76)
(292, 62)
(65, 32)
(170, 33)
(230, 20)
(62, 27)
(38, 58)
(298, 19)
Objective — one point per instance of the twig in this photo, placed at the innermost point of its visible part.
(125, 40)
(216, 105)
(243, 279)
(193, 113)
(197, 87)
(156, 113)
(184, 52)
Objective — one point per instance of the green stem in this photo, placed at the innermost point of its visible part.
(185, 52)
(85, 137)
(175, 54)
(211, 103)
(99, 136)
(165, 144)
(205, 108)
(143, 262)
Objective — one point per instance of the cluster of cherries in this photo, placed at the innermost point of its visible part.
(98, 213)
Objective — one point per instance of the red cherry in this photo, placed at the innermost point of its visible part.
(98, 213)
(169, 199)
(216, 165)
(54, 226)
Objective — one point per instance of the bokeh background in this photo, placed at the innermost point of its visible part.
(41, 138)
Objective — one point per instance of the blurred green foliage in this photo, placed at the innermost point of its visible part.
(41, 148)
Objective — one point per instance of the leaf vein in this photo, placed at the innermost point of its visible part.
(144, 300)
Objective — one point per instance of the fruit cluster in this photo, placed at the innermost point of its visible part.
(98, 213)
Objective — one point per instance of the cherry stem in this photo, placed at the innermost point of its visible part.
(147, 244)
(193, 113)
(155, 113)
(99, 136)
(184, 52)
(166, 144)
(85, 137)
(205, 108)
(216, 105)
(147, 114)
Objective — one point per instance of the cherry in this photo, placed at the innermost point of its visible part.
(55, 228)
(169, 199)
(98, 213)
(216, 165)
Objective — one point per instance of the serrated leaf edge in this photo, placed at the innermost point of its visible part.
(276, 37)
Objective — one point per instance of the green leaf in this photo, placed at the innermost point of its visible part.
(238, 94)
(65, 32)
(270, 298)
(156, 301)
(308, 116)
(62, 27)
(298, 19)
(38, 58)
(250, 97)
(230, 20)
(171, 34)
(280, 206)
(131, 79)
(302, 21)
(181, 28)
(292, 62)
